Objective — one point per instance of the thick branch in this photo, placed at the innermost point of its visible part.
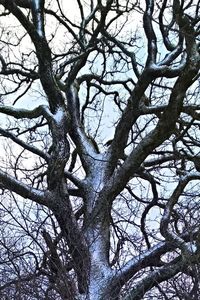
(20, 113)
(154, 278)
(43, 51)
(150, 34)
(22, 189)
(85, 148)
(157, 136)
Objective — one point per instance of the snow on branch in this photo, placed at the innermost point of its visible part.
(20, 113)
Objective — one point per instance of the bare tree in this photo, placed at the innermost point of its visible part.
(100, 162)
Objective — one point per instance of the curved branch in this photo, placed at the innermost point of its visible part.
(43, 51)
(160, 133)
(22, 189)
(20, 113)
(150, 34)
(164, 225)
(156, 277)
(30, 148)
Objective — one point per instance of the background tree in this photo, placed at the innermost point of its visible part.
(100, 161)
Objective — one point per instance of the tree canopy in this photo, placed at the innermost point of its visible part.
(100, 149)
